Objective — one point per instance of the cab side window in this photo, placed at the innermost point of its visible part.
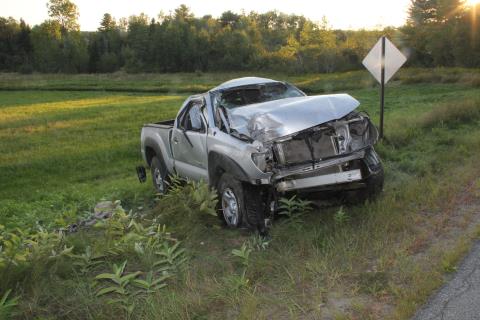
(192, 119)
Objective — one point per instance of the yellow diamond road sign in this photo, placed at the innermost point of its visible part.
(394, 59)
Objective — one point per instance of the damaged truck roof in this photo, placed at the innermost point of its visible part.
(240, 82)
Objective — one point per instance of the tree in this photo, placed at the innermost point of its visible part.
(450, 10)
(432, 31)
(46, 39)
(183, 13)
(138, 40)
(228, 18)
(105, 46)
(438, 33)
(422, 12)
(15, 45)
(108, 23)
(65, 13)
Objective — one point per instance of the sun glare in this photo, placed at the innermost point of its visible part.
(472, 2)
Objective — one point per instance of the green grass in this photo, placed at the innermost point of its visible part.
(183, 83)
(64, 150)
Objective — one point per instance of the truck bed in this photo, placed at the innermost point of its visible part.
(167, 124)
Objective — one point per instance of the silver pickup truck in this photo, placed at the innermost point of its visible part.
(256, 139)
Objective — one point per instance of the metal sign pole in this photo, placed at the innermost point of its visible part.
(382, 87)
(390, 62)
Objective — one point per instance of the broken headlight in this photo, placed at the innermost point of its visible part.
(262, 160)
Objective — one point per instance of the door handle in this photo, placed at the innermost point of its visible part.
(175, 140)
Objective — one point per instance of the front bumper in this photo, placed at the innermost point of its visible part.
(341, 172)
(318, 181)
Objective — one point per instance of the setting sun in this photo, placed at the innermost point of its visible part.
(472, 2)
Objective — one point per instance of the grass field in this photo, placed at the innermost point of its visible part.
(63, 150)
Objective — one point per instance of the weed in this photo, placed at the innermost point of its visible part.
(172, 258)
(294, 209)
(119, 283)
(187, 207)
(35, 252)
(7, 305)
(204, 197)
(288, 207)
(341, 216)
(243, 254)
(151, 284)
(87, 260)
(258, 242)
(236, 284)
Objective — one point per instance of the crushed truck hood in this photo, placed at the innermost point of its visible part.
(279, 118)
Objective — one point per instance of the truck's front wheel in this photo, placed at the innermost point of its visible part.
(231, 200)
(239, 205)
(159, 175)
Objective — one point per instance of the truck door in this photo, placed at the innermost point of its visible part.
(189, 142)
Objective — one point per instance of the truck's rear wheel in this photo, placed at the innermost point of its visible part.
(159, 175)
(238, 204)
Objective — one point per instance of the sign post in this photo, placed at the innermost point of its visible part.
(383, 61)
(382, 87)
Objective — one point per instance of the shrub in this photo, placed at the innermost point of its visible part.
(187, 204)
(26, 251)
(34, 256)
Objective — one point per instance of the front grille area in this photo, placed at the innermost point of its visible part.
(320, 144)
(352, 133)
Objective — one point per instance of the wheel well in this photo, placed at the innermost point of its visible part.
(215, 176)
(149, 153)
(218, 164)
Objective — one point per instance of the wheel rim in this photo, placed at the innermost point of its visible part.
(230, 207)
(158, 178)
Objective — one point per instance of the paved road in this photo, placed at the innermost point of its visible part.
(459, 299)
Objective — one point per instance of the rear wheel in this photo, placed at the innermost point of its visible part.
(159, 175)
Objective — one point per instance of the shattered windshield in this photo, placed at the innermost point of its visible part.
(243, 96)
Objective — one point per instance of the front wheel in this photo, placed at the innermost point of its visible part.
(231, 200)
(373, 188)
(240, 205)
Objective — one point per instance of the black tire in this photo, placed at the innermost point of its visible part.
(373, 188)
(159, 175)
(374, 184)
(248, 199)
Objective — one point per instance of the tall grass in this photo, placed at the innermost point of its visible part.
(452, 114)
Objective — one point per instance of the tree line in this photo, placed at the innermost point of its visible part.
(437, 33)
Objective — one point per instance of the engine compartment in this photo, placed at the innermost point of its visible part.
(335, 138)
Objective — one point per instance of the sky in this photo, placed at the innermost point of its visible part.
(341, 14)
